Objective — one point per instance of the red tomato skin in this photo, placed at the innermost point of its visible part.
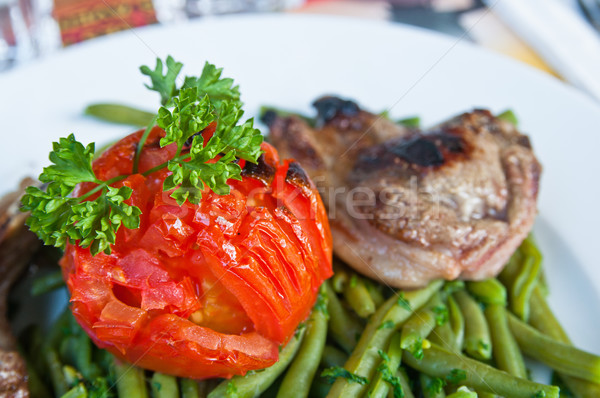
(207, 290)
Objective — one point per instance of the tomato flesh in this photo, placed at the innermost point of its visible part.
(207, 290)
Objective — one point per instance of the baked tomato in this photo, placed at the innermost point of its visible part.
(207, 290)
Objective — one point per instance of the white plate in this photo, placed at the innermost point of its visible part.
(289, 60)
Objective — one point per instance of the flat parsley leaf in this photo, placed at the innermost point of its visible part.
(165, 84)
(336, 371)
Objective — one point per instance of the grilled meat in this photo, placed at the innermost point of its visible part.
(17, 245)
(409, 206)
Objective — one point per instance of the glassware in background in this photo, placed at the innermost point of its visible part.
(27, 30)
(196, 8)
(31, 28)
(440, 15)
(16, 42)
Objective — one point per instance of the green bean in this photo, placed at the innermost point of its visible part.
(484, 394)
(375, 292)
(489, 291)
(559, 356)
(164, 386)
(319, 388)
(299, 376)
(525, 280)
(255, 383)
(47, 283)
(457, 323)
(130, 380)
(438, 362)
(543, 283)
(542, 318)
(57, 377)
(57, 332)
(414, 121)
(478, 343)
(380, 387)
(333, 357)
(121, 114)
(77, 351)
(358, 297)
(443, 336)
(581, 388)
(418, 327)
(508, 116)
(189, 388)
(344, 327)
(339, 281)
(520, 276)
(505, 349)
(432, 387)
(36, 386)
(71, 375)
(403, 379)
(364, 359)
(79, 391)
(463, 392)
(30, 341)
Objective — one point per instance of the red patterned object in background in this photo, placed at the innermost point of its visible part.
(80, 20)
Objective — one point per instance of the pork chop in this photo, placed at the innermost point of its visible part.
(408, 206)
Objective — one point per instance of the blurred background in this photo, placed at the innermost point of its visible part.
(560, 37)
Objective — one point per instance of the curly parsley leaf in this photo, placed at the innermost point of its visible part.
(97, 221)
(210, 83)
(165, 84)
(57, 218)
(230, 141)
(72, 163)
(93, 219)
(188, 117)
(336, 371)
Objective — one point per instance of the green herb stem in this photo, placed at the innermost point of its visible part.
(141, 143)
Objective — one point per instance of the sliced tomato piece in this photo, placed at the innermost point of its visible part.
(207, 290)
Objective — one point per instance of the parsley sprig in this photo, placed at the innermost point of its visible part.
(93, 219)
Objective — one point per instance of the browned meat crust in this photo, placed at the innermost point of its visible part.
(408, 206)
(17, 245)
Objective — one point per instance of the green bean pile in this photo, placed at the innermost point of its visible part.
(449, 339)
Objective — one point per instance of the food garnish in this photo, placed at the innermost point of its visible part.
(224, 246)
(92, 220)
